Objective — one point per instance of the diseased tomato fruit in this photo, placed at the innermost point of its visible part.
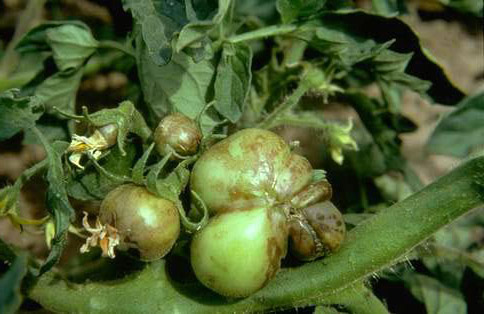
(143, 221)
(251, 168)
(110, 133)
(238, 252)
(316, 231)
(177, 133)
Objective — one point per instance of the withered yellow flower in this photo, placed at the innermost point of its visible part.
(106, 236)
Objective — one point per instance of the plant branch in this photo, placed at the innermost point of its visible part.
(371, 246)
(262, 33)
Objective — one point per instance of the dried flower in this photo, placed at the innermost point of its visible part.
(106, 235)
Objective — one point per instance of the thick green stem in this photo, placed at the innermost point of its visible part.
(370, 247)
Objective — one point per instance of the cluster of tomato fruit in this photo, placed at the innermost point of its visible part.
(262, 199)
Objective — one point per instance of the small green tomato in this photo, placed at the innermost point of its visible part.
(177, 133)
(237, 253)
(143, 221)
(251, 168)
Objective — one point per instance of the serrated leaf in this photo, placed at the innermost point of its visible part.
(232, 81)
(160, 20)
(17, 113)
(71, 45)
(59, 90)
(194, 32)
(57, 202)
(437, 297)
(92, 185)
(365, 28)
(11, 298)
(179, 86)
(36, 39)
(462, 130)
(52, 128)
(291, 10)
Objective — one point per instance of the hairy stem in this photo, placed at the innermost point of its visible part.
(370, 247)
(262, 33)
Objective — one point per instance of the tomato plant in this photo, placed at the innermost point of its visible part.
(234, 156)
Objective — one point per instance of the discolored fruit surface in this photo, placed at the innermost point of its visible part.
(303, 241)
(178, 133)
(238, 252)
(327, 221)
(316, 192)
(249, 169)
(144, 221)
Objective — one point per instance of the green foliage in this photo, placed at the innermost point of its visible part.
(232, 65)
(17, 113)
(461, 131)
(69, 45)
(291, 10)
(233, 81)
(437, 297)
(10, 298)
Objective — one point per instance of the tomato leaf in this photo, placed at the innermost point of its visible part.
(59, 90)
(11, 298)
(437, 297)
(92, 185)
(358, 26)
(233, 81)
(462, 130)
(17, 113)
(179, 86)
(194, 32)
(71, 45)
(57, 201)
(291, 10)
(161, 20)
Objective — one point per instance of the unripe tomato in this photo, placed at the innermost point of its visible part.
(110, 133)
(316, 231)
(238, 252)
(177, 133)
(144, 221)
(251, 168)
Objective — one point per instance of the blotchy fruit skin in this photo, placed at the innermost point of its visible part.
(251, 168)
(316, 231)
(237, 253)
(143, 220)
(178, 133)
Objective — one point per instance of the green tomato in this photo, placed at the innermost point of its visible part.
(144, 221)
(237, 253)
(251, 168)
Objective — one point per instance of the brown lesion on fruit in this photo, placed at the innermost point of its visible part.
(316, 192)
(277, 244)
